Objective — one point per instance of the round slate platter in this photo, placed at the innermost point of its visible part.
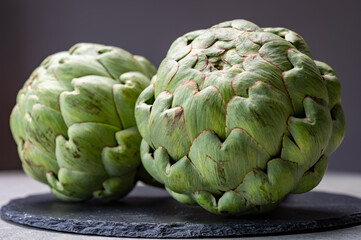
(149, 212)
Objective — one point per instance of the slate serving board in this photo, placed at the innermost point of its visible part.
(150, 213)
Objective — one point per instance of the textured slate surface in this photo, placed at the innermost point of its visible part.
(150, 212)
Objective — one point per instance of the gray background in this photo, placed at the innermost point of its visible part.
(32, 30)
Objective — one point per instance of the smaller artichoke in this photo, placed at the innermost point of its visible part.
(74, 122)
(239, 117)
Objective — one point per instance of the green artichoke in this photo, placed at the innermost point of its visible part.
(74, 121)
(239, 116)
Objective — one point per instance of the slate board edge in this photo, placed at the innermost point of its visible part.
(171, 230)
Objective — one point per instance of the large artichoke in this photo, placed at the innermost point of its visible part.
(74, 121)
(239, 116)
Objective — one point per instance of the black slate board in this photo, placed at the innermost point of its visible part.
(150, 212)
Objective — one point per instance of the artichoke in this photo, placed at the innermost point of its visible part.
(74, 122)
(239, 117)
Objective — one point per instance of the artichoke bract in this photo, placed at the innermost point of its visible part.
(74, 121)
(239, 117)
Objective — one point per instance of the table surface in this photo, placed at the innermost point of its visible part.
(15, 184)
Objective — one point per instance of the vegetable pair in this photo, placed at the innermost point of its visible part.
(236, 118)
